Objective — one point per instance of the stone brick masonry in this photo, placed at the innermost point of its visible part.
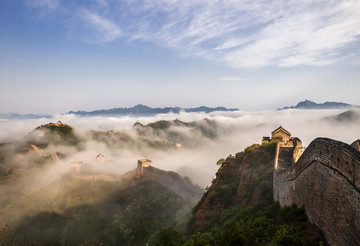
(326, 181)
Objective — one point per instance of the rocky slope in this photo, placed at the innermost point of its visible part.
(244, 179)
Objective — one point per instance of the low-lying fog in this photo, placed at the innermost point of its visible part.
(235, 131)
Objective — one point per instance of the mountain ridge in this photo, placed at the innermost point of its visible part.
(307, 104)
(137, 110)
(16, 116)
(143, 110)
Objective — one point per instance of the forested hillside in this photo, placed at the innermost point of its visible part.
(238, 208)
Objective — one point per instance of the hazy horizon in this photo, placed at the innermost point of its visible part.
(53, 114)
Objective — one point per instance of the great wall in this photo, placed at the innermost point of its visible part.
(325, 179)
(144, 172)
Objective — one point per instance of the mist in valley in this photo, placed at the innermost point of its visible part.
(45, 178)
(230, 133)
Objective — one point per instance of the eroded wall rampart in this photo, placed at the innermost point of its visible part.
(326, 180)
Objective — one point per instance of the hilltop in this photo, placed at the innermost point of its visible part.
(188, 134)
(349, 116)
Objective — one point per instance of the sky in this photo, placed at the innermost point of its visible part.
(57, 56)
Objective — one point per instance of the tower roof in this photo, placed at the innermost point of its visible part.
(280, 128)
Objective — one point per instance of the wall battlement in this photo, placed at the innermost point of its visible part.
(326, 181)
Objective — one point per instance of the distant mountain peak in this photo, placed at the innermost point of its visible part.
(16, 116)
(141, 106)
(307, 104)
(143, 110)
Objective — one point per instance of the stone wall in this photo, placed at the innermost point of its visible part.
(326, 180)
(297, 150)
(293, 146)
(356, 144)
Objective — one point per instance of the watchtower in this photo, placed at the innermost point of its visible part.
(141, 164)
(280, 134)
(288, 149)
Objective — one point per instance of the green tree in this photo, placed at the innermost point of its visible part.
(169, 237)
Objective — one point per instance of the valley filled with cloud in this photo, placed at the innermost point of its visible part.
(212, 137)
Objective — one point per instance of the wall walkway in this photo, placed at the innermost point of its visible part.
(326, 180)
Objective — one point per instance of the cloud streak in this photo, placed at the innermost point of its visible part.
(239, 33)
(108, 30)
(232, 79)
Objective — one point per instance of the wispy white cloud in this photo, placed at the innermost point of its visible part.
(232, 79)
(107, 29)
(241, 33)
(49, 4)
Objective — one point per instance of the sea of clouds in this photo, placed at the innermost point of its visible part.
(235, 130)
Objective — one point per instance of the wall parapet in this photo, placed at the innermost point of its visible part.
(328, 152)
(326, 180)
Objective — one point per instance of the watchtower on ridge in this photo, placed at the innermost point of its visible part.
(141, 164)
(280, 134)
(288, 149)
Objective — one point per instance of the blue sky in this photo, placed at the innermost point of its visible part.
(57, 56)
